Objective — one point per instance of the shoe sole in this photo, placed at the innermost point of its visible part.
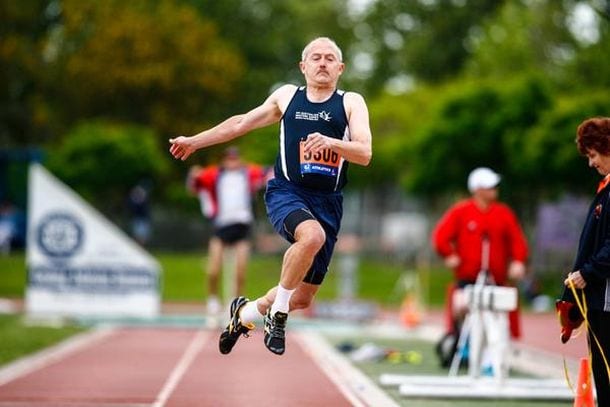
(275, 351)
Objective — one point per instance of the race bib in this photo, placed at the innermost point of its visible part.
(324, 162)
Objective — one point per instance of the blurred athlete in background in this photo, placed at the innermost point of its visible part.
(226, 193)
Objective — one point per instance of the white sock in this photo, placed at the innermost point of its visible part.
(282, 300)
(250, 313)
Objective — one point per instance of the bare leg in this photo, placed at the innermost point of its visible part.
(298, 259)
(309, 238)
(301, 299)
(215, 251)
(242, 254)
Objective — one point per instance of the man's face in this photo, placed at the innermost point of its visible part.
(321, 65)
(599, 161)
(487, 194)
(231, 162)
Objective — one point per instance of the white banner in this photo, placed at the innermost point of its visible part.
(78, 262)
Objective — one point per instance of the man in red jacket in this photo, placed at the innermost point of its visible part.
(458, 238)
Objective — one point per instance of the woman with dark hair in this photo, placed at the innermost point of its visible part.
(588, 286)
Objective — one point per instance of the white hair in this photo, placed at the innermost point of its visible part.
(332, 43)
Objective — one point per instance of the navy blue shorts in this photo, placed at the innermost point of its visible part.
(282, 198)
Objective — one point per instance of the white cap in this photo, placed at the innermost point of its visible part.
(482, 178)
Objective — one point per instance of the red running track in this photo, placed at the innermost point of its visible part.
(182, 367)
(174, 367)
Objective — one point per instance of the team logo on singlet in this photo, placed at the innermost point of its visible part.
(324, 162)
(323, 115)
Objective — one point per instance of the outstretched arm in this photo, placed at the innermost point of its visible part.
(270, 111)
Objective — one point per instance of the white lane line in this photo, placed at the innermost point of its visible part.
(48, 356)
(180, 369)
(353, 384)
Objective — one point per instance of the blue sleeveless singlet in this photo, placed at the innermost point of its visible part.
(323, 171)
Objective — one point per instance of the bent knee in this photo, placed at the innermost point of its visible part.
(311, 235)
(315, 241)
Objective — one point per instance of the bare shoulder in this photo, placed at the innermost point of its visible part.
(353, 97)
(287, 88)
(354, 103)
(282, 96)
(283, 92)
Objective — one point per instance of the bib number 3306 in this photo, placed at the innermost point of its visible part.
(325, 162)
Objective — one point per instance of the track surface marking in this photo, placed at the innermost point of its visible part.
(175, 367)
(128, 367)
(252, 376)
(189, 355)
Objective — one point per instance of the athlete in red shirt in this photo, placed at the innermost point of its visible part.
(226, 194)
(458, 238)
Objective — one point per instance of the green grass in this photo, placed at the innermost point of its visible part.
(20, 338)
(12, 275)
(184, 279)
(428, 366)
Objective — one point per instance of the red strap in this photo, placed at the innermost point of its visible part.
(603, 183)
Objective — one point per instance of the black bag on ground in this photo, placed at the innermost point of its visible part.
(445, 349)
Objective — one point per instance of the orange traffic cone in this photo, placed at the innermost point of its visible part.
(584, 391)
(410, 314)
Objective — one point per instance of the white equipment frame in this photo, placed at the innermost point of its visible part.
(485, 329)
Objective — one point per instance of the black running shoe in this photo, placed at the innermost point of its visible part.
(235, 329)
(275, 334)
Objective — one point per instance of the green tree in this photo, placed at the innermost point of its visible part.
(424, 40)
(522, 37)
(271, 35)
(590, 65)
(550, 157)
(151, 62)
(396, 123)
(478, 124)
(23, 28)
(102, 160)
